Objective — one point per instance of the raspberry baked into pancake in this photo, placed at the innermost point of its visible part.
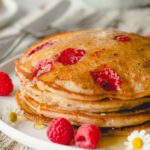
(93, 76)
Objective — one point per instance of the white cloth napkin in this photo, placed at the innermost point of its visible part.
(77, 10)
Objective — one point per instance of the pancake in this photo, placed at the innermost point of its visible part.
(42, 94)
(120, 119)
(31, 115)
(92, 76)
(55, 88)
(129, 59)
(106, 105)
(126, 130)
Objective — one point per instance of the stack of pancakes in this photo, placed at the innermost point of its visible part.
(70, 91)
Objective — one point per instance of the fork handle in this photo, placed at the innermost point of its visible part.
(14, 45)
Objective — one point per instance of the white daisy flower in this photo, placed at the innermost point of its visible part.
(11, 115)
(138, 140)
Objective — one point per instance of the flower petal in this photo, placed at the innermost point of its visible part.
(142, 133)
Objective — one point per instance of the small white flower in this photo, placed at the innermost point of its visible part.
(11, 115)
(138, 140)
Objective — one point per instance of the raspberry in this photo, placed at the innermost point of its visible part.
(70, 56)
(107, 79)
(6, 86)
(123, 38)
(40, 47)
(43, 67)
(147, 36)
(60, 131)
(87, 136)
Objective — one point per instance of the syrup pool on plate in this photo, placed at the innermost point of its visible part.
(111, 142)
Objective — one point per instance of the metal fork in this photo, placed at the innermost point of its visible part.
(84, 23)
(5, 46)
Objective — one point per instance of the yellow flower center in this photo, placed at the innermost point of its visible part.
(13, 117)
(137, 143)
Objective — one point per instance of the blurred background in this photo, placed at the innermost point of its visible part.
(129, 15)
(23, 22)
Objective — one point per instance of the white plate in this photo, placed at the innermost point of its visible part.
(25, 132)
(8, 11)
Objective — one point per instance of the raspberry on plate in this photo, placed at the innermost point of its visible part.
(87, 136)
(70, 56)
(107, 78)
(123, 38)
(6, 85)
(60, 131)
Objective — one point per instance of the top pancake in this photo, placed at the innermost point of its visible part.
(131, 61)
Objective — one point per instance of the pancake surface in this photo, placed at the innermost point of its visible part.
(98, 76)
